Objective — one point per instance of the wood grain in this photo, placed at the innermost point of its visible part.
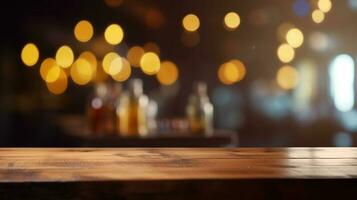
(27, 165)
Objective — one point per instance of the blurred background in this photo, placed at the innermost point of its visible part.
(278, 73)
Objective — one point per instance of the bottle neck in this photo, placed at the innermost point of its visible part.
(135, 88)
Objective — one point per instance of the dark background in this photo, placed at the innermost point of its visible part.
(28, 110)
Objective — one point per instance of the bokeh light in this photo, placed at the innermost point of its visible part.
(319, 41)
(115, 66)
(191, 22)
(301, 8)
(114, 34)
(64, 56)
(81, 71)
(60, 85)
(150, 63)
(295, 37)
(318, 16)
(152, 46)
(168, 73)
(324, 5)
(125, 72)
(30, 54)
(285, 53)
(90, 57)
(241, 69)
(83, 31)
(231, 72)
(134, 55)
(49, 70)
(231, 20)
(107, 63)
(342, 82)
(283, 30)
(287, 77)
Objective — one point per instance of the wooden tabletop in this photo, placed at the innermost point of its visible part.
(19, 165)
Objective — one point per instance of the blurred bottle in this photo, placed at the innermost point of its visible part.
(151, 116)
(132, 110)
(101, 109)
(199, 111)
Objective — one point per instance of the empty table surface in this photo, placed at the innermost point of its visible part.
(21, 165)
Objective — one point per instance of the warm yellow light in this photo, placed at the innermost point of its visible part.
(168, 73)
(318, 16)
(222, 74)
(90, 57)
(153, 47)
(295, 37)
(241, 69)
(60, 85)
(287, 77)
(115, 66)
(112, 63)
(81, 71)
(49, 70)
(134, 55)
(191, 22)
(114, 34)
(30, 54)
(283, 30)
(83, 31)
(125, 73)
(324, 5)
(150, 63)
(285, 53)
(231, 20)
(64, 56)
(231, 72)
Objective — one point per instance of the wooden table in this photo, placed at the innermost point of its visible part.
(177, 173)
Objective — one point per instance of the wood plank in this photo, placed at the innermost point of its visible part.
(21, 165)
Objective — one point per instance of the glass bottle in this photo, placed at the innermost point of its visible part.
(199, 111)
(132, 110)
(100, 111)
